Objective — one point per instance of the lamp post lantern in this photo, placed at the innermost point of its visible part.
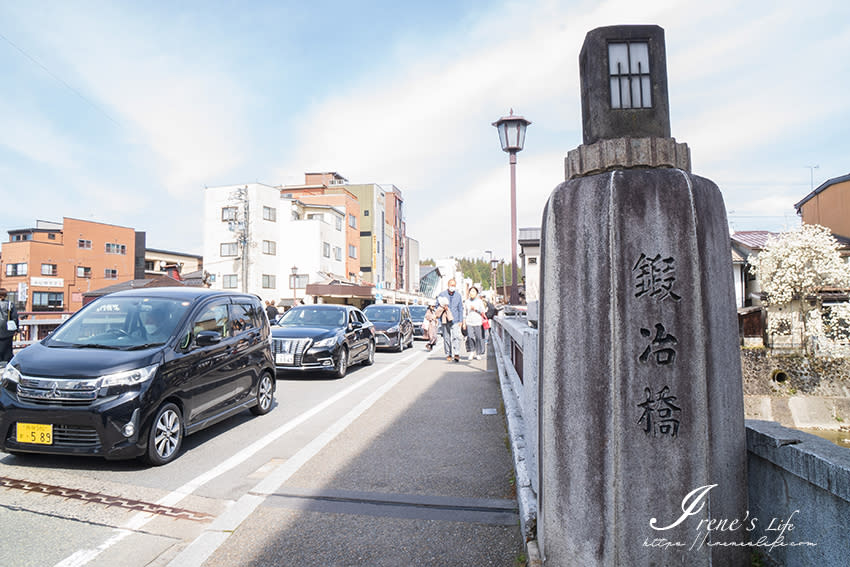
(512, 137)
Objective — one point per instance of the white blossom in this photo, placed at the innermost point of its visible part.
(796, 266)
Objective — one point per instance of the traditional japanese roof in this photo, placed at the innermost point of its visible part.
(737, 257)
(820, 189)
(752, 239)
(529, 236)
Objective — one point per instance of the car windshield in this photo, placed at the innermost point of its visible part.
(383, 314)
(418, 312)
(313, 317)
(124, 323)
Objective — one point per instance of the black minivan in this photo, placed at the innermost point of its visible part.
(133, 372)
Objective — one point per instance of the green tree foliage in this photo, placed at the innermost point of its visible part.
(478, 270)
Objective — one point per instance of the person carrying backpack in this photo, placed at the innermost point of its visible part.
(8, 326)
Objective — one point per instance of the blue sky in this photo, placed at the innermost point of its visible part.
(121, 112)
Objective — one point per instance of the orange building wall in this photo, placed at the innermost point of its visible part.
(64, 252)
(830, 208)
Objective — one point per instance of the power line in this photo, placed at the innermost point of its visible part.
(59, 79)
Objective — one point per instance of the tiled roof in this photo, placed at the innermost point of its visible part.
(752, 239)
(529, 234)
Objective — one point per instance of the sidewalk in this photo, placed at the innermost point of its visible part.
(424, 477)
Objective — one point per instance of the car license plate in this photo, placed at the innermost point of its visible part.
(284, 358)
(36, 433)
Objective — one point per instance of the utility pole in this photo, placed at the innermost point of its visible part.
(240, 230)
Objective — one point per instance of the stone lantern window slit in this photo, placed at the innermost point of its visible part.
(629, 71)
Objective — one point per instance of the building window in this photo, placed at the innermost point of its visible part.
(270, 214)
(316, 216)
(229, 281)
(228, 249)
(337, 253)
(51, 236)
(300, 281)
(116, 248)
(20, 237)
(352, 251)
(228, 214)
(326, 250)
(48, 269)
(110, 274)
(84, 244)
(269, 281)
(83, 272)
(16, 269)
(628, 64)
(47, 300)
(366, 213)
(352, 221)
(339, 223)
(270, 247)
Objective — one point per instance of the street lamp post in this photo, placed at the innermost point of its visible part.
(492, 283)
(512, 137)
(294, 283)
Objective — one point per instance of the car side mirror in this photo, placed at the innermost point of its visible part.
(207, 338)
(356, 325)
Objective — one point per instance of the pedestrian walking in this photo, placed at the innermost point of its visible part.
(474, 310)
(9, 324)
(451, 317)
(272, 311)
(430, 327)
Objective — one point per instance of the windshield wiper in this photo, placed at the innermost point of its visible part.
(144, 346)
(96, 345)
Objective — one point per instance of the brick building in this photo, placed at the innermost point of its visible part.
(48, 268)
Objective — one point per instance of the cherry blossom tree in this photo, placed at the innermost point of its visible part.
(796, 266)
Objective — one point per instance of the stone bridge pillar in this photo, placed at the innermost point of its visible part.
(641, 417)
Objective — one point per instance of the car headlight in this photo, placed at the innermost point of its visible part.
(330, 341)
(10, 374)
(129, 377)
(393, 329)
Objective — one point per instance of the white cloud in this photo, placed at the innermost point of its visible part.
(186, 111)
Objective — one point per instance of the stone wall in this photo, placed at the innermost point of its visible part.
(799, 496)
(767, 374)
(796, 391)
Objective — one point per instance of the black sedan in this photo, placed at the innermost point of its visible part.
(323, 337)
(393, 327)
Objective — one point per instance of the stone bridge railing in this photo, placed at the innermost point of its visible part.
(793, 476)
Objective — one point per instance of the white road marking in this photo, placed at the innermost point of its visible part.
(222, 527)
(84, 556)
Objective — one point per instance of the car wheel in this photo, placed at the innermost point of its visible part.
(370, 356)
(265, 395)
(342, 365)
(400, 346)
(166, 436)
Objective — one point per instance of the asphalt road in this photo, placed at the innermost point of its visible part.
(230, 479)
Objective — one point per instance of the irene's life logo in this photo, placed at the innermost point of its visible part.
(777, 531)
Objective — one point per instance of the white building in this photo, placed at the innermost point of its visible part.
(253, 238)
